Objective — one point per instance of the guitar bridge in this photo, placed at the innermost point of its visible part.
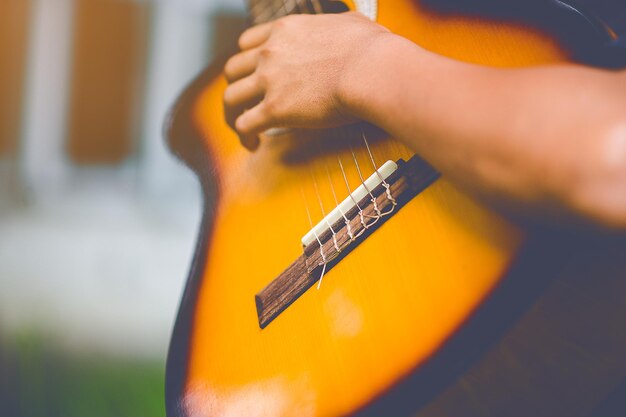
(357, 217)
(342, 211)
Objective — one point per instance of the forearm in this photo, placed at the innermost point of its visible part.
(552, 138)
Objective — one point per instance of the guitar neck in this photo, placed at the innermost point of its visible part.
(262, 11)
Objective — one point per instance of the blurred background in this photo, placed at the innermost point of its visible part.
(97, 220)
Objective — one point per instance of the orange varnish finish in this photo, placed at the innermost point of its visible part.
(381, 311)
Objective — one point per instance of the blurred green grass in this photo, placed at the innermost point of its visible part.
(39, 381)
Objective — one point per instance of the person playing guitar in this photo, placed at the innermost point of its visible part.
(550, 139)
(494, 289)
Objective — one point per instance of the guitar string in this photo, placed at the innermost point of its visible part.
(317, 6)
(358, 168)
(253, 5)
(356, 203)
(334, 133)
(270, 13)
(319, 200)
(319, 150)
(260, 17)
(332, 188)
(271, 10)
(317, 9)
(362, 215)
(384, 183)
(325, 260)
(299, 7)
(292, 9)
(351, 195)
(284, 7)
(347, 133)
(308, 213)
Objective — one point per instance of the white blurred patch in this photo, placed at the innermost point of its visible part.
(346, 318)
(368, 7)
(97, 268)
(272, 398)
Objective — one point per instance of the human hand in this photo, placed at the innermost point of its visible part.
(290, 73)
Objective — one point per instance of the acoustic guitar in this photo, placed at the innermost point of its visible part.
(337, 274)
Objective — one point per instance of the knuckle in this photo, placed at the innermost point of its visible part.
(267, 51)
(281, 23)
(272, 107)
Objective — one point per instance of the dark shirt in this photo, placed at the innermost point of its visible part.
(617, 52)
(612, 14)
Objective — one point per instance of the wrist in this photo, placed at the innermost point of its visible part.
(368, 79)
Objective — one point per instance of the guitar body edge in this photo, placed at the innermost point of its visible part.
(422, 298)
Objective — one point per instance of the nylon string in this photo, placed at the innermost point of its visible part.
(269, 10)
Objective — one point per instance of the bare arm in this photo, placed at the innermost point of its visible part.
(551, 138)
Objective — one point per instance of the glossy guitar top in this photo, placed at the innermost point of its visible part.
(386, 316)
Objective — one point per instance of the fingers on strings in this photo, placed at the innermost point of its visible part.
(241, 95)
(243, 99)
(252, 123)
(255, 36)
(246, 111)
(241, 65)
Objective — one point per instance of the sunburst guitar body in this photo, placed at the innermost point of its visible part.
(445, 308)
